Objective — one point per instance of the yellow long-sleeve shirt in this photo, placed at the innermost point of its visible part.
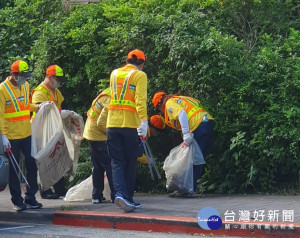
(17, 129)
(96, 130)
(174, 107)
(39, 96)
(128, 119)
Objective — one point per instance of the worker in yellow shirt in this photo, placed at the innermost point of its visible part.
(186, 114)
(48, 91)
(96, 137)
(127, 120)
(15, 109)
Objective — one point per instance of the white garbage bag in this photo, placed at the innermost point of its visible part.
(81, 191)
(73, 127)
(178, 167)
(49, 146)
(84, 190)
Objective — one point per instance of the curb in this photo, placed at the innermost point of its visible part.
(28, 216)
(141, 222)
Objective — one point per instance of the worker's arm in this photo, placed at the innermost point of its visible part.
(2, 109)
(141, 102)
(5, 141)
(102, 119)
(33, 107)
(177, 112)
(141, 95)
(184, 122)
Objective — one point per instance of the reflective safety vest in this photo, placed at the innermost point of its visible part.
(49, 96)
(192, 107)
(92, 112)
(19, 107)
(120, 96)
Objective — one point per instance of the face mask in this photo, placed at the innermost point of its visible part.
(56, 84)
(20, 80)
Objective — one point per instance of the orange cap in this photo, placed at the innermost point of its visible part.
(157, 97)
(55, 70)
(158, 122)
(20, 67)
(138, 53)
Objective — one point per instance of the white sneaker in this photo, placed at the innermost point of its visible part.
(137, 205)
(20, 207)
(96, 201)
(124, 204)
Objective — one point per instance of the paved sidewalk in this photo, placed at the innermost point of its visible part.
(276, 216)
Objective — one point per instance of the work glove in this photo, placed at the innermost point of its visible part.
(142, 129)
(188, 138)
(64, 113)
(6, 143)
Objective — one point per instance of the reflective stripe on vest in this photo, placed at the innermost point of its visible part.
(193, 106)
(11, 115)
(92, 113)
(197, 107)
(49, 96)
(121, 103)
(18, 111)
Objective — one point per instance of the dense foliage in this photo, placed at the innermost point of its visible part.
(240, 58)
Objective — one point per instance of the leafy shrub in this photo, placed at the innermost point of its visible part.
(239, 58)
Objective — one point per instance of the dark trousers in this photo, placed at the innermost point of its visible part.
(122, 144)
(23, 145)
(101, 163)
(204, 137)
(59, 188)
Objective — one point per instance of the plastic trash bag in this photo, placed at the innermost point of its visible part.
(81, 191)
(4, 167)
(178, 167)
(84, 190)
(49, 146)
(46, 126)
(73, 125)
(197, 154)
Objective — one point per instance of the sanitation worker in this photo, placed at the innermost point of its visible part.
(15, 109)
(48, 91)
(187, 115)
(95, 133)
(127, 120)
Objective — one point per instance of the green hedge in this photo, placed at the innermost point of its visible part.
(240, 58)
